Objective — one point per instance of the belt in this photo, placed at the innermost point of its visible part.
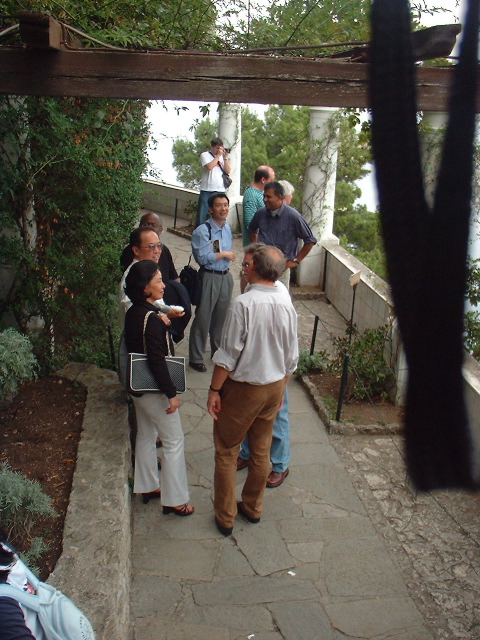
(220, 273)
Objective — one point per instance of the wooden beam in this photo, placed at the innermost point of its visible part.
(203, 76)
(40, 31)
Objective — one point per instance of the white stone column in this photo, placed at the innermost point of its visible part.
(432, 140)
(431, 147)
(230, 131)
(319, 188)
(474, 248)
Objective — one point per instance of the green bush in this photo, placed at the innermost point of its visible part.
(316, 361)
(372, 377)
(22, 503)
(190, 212)
(472, 317)
(17, 362)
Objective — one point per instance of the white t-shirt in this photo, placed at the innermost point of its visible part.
(211, 180)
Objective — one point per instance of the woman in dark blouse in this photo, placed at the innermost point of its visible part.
(157, 413)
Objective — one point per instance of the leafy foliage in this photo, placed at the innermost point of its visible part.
(73, 170)
(297, 22)
(70, 171)
(17, 362)
(144, 23)
(310, 362)
(472, 317)
(372, 376)
(22, 503)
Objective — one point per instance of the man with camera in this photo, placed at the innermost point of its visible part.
(215, 165)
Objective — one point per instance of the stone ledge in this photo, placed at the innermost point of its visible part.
(94, 569)
(344, 428)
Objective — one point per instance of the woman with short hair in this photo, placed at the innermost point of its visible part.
(157, 414)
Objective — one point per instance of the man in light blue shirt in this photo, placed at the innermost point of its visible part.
(212, 249)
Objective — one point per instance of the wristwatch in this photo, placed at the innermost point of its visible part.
(295, 260)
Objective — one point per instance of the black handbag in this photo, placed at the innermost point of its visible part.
(227, 181)
(192, 281)
(140, 378)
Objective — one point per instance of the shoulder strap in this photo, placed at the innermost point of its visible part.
(209, 230)
(27, 599)
(223, 170)
(145, 320)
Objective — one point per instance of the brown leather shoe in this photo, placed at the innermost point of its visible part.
(275, 478)
(241, 463)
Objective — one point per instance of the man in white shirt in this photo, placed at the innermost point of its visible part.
(258, 353)
(214, 164)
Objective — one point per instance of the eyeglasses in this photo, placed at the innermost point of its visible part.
(245, 265)
(152, 245)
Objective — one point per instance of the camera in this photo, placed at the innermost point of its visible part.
(227, 150)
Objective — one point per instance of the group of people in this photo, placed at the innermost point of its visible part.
(252, 339)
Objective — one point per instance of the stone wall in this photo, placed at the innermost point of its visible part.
(167, 199)
(170, 200)
(94, 568)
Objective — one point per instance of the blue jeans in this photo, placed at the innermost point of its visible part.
(280, 449)
(202, 207)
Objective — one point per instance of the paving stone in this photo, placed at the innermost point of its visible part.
(164, 595)
(360, 567)
(264, 548)
(277, 505)
(232, 562)
(255, 590)
(196, 442)
(379, 618)
(312, 430)
(158, 629)
(260, 635)
(302, 529)
(202, 462)
(302, 620)
(179, 559)
(306, 551)
(312, 453)
(316, 509)
(246, 618)
(329, 483)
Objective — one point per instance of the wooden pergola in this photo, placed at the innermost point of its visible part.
(51, 64)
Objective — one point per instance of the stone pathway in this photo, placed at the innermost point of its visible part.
(313, 568)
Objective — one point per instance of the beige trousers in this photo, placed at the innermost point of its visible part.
(251, 409)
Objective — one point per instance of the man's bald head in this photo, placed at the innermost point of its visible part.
(153, 221)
